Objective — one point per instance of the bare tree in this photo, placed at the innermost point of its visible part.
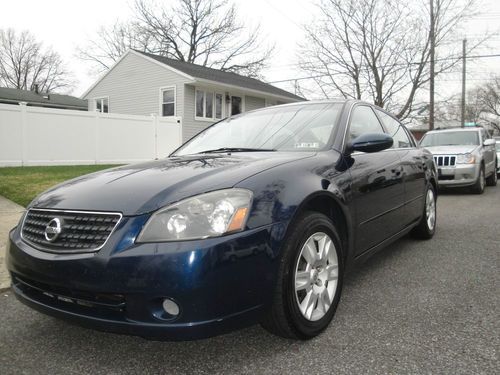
(25, 64)
(490, 97)
(482, 106)
(110, 43)
(379, 50)
(204, 32)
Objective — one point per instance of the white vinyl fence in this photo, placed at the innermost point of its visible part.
(45, 136)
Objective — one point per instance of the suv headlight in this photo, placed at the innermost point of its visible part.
(206, 215)
(466, 159)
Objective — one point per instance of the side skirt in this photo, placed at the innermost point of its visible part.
(375, 249)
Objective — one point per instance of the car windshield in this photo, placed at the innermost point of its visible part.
(450, 139)
(305, 127)
(497, 146)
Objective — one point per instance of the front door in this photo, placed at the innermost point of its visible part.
(236, 105)
(413, 163)
(377, 185)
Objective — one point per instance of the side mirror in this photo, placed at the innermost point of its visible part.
(489, 142)
(371, 142)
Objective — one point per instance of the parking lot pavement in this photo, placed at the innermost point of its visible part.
(417, 307)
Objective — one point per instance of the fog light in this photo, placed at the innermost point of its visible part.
(170, 307)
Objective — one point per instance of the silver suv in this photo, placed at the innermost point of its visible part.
(464, 157)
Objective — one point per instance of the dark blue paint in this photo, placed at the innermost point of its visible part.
(220, 283)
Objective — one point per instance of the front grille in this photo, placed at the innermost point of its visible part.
(80, 231)
(445, 160)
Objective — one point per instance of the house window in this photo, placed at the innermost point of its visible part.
(168, 101)
(102, 105)
(208, 105)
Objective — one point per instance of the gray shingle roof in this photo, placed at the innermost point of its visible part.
(203, 72)
(31, 97)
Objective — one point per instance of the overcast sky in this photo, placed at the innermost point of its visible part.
(65, 24)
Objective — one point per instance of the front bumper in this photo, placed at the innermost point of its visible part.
(459, 175)
(220, 284)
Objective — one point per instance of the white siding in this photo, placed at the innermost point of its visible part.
(133, 87)
(252, 102)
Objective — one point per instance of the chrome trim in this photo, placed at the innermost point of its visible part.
(76, 251)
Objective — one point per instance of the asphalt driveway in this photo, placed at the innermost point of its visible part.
(418, 307)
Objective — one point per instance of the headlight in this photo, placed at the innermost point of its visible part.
(466, 159)
(206, 215)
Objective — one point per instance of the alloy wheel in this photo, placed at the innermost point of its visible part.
(316, 276)
(430, 209)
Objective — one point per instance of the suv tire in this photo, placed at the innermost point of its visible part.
(492, 180)
(478, 187)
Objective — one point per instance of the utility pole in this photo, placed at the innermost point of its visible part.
(431, 90)
(464, 42)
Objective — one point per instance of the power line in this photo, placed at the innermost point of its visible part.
(468, 57)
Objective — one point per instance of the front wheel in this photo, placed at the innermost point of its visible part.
(427, 225)
(478, 187)
(492, 180)
(309, 281)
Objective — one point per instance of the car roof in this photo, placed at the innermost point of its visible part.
(471, 129)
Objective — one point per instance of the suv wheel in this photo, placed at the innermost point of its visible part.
(478, 187)
(309, 280)
(492, 180)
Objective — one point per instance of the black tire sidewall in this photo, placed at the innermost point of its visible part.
(477, 186)
(308, 225)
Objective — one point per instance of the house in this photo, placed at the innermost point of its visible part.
(36, 99)
(145, 84)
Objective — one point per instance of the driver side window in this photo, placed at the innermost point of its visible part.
(363, 120)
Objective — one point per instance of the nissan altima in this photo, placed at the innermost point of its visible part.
(255, 219)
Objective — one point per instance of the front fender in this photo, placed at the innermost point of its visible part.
(282, 193)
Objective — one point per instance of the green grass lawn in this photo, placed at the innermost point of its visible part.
(22, 184)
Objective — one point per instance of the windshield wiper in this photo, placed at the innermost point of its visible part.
(236, 149)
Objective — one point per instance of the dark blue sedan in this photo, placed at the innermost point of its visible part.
(256, 219)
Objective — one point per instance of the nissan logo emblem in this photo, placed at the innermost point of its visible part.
(53, 229)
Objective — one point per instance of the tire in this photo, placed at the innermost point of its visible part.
(480, 184)
(492, 180)
(286, 318)
(427, 226)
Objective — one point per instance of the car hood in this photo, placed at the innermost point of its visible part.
(451, 150)
(141, 188)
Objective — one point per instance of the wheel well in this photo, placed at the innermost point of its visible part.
(330, 208)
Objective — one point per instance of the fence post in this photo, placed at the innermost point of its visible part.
(23, 106)
(155, 124)
(97, 137)
(179, 127)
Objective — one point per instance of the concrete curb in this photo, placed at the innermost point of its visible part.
(10, 213)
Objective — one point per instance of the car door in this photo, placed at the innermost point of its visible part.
(377, 185)
(413, 163)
